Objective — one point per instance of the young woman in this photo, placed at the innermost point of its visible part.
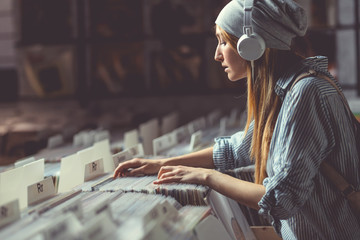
(291, 129)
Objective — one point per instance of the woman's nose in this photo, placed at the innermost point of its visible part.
(218, 56)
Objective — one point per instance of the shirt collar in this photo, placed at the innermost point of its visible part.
(317, 63)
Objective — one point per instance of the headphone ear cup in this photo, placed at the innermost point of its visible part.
(251, 47)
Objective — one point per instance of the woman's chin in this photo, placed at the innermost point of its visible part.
(235, 79)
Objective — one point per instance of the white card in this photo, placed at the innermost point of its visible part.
(121, 157)
(164, 142)
(102, 150)
(71, 173)
(239, 222)
(136, 151)
(102, 135)
(89, 138)
(197, 124)
(72, 168)
(195, 140)
(9, 212)
(13, 183)
(131, 138)
(191, 127)
(148, 132)
(78, 139)
(86, 155)
(55, 141)
(41, 190)
(169, 122)
(181, 133)
(224, 208)
(23, 162)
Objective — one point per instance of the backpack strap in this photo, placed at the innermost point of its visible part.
(326, 169)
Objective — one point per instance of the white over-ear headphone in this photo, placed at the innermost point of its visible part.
(250, 46)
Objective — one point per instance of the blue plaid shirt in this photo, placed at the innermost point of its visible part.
(312, 127)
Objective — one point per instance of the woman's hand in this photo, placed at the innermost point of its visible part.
(183, 174)
(244, 192)
(138, 166)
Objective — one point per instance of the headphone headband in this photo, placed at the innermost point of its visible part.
(248, 5)
(250, 46)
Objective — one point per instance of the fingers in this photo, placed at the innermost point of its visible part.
(135, 172)
(169, 174)
(122, 168)
(171, 179)
(164, 170)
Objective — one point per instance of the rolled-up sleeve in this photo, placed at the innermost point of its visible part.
(233, 151)
(302, 139)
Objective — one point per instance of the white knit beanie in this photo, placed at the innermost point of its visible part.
(276, 21)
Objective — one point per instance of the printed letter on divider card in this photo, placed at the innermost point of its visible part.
(9, 212)
(41, 190)
(94, 169)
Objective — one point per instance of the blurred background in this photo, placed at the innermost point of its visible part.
(67, 65)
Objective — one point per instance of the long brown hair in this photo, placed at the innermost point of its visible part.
(263, 104)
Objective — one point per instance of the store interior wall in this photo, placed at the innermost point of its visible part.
(331, 33)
